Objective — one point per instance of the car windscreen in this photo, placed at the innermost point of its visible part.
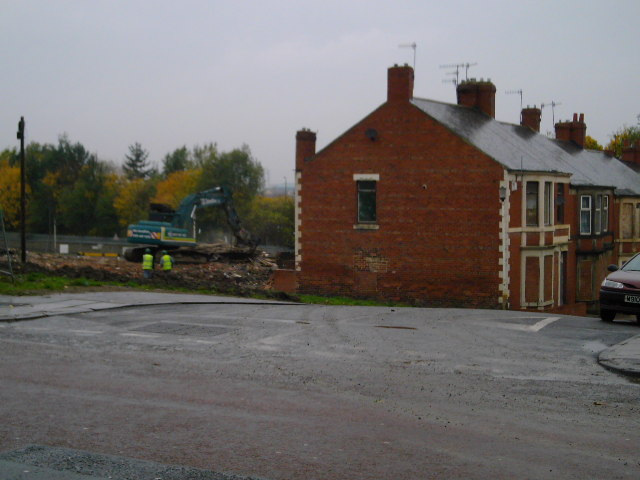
(633, 264)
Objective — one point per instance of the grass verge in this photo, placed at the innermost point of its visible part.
(35, 283)
(39, 283)
(316, 299)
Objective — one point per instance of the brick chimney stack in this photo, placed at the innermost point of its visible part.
(478, 94)
(305, 146)
(575, 131)
(631, 154)
(530, 117)
(399, 83)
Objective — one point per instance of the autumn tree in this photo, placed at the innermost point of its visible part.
(176, 187)
(591, 143)
(132, 201)
(624, 136)
(10, 189)
(136, 164)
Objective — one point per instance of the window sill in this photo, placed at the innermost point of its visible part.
(366, 226)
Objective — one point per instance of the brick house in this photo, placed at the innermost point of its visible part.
(441, 205)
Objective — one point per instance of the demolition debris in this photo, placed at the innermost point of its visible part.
(220, 268)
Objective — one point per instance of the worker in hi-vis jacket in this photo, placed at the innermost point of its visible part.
(147, 264)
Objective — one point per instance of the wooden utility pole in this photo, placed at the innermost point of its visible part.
(23, 203)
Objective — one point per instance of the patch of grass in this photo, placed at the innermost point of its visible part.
(317, 299)
(34, 282)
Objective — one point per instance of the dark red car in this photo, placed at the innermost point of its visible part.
(620, 291)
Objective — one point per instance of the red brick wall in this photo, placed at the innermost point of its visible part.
(284, 280)
(532, 285)
(437, 209)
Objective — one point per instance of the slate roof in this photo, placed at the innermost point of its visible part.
(520, 148)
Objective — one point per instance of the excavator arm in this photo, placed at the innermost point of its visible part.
(219, 197)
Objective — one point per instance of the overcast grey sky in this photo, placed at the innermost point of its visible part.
(169, 73)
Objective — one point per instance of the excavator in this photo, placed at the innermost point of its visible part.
(167, 229)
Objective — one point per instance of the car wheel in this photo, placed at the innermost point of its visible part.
(607, 315)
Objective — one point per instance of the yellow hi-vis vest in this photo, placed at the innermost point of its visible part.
(166, 262)
(147, 261)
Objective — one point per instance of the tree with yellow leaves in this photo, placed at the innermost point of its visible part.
(622, 138)
(10, 190)
(132, 201)
(176, 187)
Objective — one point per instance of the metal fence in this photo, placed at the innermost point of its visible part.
(67, 244)
(72, 245)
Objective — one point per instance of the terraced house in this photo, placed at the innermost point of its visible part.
(442, 205)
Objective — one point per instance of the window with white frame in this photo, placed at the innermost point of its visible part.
(532, 204)
(585, 215)
(597, 214)
(605, 213)
(560, 204)
(548, 202)
(366, 201)
(366, 192)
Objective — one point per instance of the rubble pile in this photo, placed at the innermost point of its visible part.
(229, 271)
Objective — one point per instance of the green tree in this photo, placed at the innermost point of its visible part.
(88, 209)
(177, 161)
(136, 164)
(204, 155)
(623, 137)
(272, 220)
(237, 170)
(52, 171)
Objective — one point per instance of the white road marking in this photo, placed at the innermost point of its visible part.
(543, 323)
(536, 327)
(204, 342)
(85, 332)
(141, 335)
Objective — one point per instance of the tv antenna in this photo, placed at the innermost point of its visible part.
(415, 47)
(553, 106)
(518, 92)
(458, 66)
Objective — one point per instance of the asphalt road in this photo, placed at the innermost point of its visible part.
(315, 392)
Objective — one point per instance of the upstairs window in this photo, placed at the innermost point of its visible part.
(597, 217)
(548, 202)
(585, 215)
(366, 201)
(605, 213)
(532, 204)
(560, 203)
